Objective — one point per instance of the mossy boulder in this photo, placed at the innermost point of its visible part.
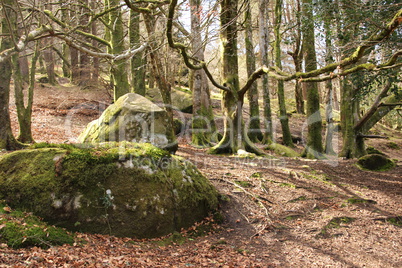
(131, 118)
(282, 150)
(123, 189)
(375, 162)
(181, 100)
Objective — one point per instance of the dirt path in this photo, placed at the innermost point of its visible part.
(278, 212)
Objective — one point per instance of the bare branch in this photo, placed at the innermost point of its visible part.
(24, 40)
(183, 49)
(126, 55)
(374, 107)
(373, 40)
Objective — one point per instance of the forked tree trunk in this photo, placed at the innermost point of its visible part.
(24, 111)
(234, 137)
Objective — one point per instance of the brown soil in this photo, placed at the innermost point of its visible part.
(278, 212)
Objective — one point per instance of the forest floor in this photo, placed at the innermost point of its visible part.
(279, 212)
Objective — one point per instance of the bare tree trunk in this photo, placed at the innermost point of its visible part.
(297, 59)
(283, 117)
(95, 60)
(161, 79)
(264, 43)
(75, 69)
(203, 125)
(49, 56)
(85, 68)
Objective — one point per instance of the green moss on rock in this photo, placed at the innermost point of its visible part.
(282, 150)
(124, 189)
(19, 229)
(375, 162)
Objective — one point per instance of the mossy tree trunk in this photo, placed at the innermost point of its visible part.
(354, 128)
(351, 147)
(235, 136)
(329, 59)
(24, 111)
(138, 64)
(9, 17)
(254, 128)
(203, 125)
(118, 70)
(283, 117)
(314, 148)
(264, 43)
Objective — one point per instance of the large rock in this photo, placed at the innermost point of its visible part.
(375, 162)
(131, 118)
(181, 100)
(123, 189)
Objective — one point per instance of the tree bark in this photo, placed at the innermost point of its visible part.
(49, 57)
(161, 80)
(314, 148)
(85, 68)
(138, 64)
(203, 125)
(329, 59)
(119, 75)
(234, 136)
(7, 140)
(264, 43)
(283, 117)
(254, 128)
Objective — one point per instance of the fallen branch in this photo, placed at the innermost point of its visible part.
(390, 104)
(372, 136)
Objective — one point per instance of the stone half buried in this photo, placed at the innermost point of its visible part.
(131, 118)
(122, 189)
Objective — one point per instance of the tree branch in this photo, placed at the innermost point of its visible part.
(24, 40)
(183, 49)
(355, 56)
(75, 30)
(126, 55)
(374, 107)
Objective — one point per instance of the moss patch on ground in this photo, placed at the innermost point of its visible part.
(282, 150)
(21, 229)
